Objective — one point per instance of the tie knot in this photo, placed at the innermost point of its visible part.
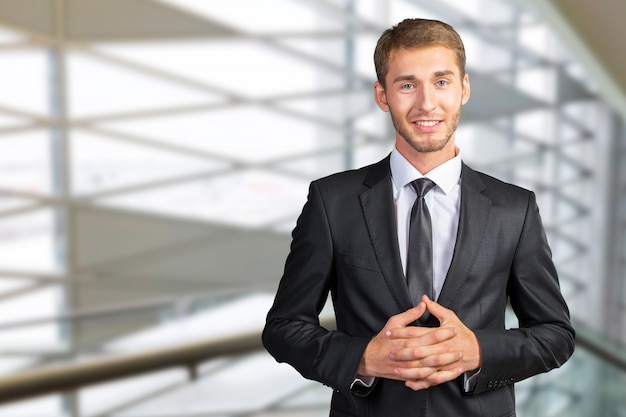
(422, 186)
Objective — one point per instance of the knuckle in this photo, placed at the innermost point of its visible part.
(446, 333)
(417, 353)
(439, 337)
(436, 379)
(420, 373)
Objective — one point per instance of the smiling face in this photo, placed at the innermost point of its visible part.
(424, 91)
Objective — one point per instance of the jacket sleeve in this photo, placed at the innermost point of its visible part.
(544, 338)
(292, 332)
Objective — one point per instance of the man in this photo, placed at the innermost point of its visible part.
(396, 351)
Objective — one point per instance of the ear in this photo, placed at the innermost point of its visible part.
(466, 89)
(380, 96)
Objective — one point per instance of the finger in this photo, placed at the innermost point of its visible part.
(433, 379)
(445, 360)
(423, 335)
(414, 374)
(407, 317)
(418, 385)
(437, 310)
(425, 356)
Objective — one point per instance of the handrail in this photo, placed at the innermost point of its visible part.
(72, 376)
(609, 351)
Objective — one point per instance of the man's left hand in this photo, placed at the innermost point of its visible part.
(416, 356)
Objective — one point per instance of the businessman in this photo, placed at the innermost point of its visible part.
(421, 255)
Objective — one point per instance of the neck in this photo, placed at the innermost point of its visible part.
(425, 162)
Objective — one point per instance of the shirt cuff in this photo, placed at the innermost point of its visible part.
(363, 381)
(469, 380)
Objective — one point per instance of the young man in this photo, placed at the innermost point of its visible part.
(420, 333)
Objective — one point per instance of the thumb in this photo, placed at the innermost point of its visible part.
(407, 317)
(436, 309)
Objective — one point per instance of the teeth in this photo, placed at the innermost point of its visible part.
(426, 123)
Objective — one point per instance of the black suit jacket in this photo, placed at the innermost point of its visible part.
(345, 244)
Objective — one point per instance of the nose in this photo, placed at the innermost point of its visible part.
(426, 99)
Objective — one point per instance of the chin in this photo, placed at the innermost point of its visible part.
(427, 147)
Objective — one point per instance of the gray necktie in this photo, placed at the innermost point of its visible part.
(420, 249)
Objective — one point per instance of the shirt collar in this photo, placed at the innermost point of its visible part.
(446, 175)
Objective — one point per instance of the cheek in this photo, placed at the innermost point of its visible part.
(401, 105)
(452, 102)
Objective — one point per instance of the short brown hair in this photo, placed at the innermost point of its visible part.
(416, 33)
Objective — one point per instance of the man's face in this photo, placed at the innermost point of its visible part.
(424, 94)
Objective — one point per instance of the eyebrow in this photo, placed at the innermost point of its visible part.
(411, 77)
(404, 78)
(444, 73)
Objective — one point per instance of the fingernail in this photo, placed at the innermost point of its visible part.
(388, 333)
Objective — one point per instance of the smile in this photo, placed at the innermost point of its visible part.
(426, 123)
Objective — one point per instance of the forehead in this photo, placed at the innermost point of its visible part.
(423, 61)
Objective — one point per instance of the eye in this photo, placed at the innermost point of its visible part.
(441, 83)
(406, 86)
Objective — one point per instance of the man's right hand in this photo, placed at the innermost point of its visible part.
(379, 357)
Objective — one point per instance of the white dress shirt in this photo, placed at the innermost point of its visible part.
(443, 202)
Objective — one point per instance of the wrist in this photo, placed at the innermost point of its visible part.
(364, 365)
(477, 360)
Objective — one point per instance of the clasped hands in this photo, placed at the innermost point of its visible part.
(422, 356)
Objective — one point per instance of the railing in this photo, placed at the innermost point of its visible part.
(608, 351)
(73, 376)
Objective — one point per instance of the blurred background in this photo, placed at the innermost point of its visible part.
(154, 157)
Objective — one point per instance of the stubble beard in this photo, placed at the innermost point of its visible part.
(432, 143)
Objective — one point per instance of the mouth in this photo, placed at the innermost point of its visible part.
(427, 123)
(427, 126)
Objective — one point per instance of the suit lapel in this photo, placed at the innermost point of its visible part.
(473, 216)
(378, 209)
